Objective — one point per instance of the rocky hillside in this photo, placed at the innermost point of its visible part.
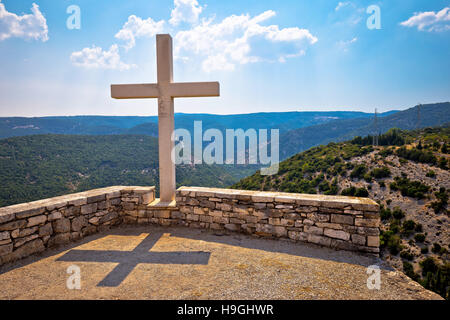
(407, 174)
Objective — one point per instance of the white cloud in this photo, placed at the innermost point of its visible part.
(283, 58)
(342, 5)
(185, 10)
(223, 45)
(136, 27)
(28, 26)
(97, 58)
(348, 13)
(218, 62)
(237, 39)
(344, 45)
(430, 20)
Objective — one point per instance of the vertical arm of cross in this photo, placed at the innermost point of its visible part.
(167, 184)
(164, 56)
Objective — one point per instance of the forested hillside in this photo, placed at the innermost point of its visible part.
(43, 166)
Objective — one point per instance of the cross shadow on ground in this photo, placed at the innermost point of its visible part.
(128, 260)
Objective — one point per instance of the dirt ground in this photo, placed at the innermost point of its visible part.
(179, 263)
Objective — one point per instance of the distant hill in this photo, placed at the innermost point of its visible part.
(301, 139)
(148, 128)
(408, 175)
(82, 125)
(104, 125)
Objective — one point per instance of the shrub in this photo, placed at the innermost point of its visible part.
(361, 192)
(443, 163)
(428, 265)
(409, 225)
(424, 250)
(436, 277)
(436, 248)
(379, 173)
(334, 189)
(358, 172)
(431, 174)
(391, 241)
(324, 186)
(408, 188)
(417, 155)
(442, 200)
(406, 255)
(419, 227)
(353, 192)
(409, 271)
(385, 214)
(398, 213)
(385, 152)
(394, 245)
(394, 226)
(349, 191)
(420, 237)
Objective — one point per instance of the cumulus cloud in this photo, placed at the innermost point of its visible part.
(136, 27)
(97, 58)
(236, 40)
(230, 42)
(185, 10)
(28, 26)
(430, 21)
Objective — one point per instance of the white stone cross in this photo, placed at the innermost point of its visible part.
(165, 90)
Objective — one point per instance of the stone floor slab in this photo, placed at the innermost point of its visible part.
(179, 263)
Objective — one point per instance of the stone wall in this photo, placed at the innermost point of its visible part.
(345, 223)
(32, 227)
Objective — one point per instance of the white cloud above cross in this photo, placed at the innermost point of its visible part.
(220, 46)
(225, 44)
(185, 11)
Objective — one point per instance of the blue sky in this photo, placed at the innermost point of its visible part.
(268, 55)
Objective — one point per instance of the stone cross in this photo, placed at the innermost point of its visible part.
(165, 90)
(128, 260)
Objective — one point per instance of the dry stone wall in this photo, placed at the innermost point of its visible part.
(32, 227)
(345, 223)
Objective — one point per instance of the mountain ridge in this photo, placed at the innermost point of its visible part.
(301, 139)
(100, 125)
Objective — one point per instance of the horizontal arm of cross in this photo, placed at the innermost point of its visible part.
(175, 90)
(194, 89)
(134, 91)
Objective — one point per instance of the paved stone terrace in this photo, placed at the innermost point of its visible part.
(153, 262)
